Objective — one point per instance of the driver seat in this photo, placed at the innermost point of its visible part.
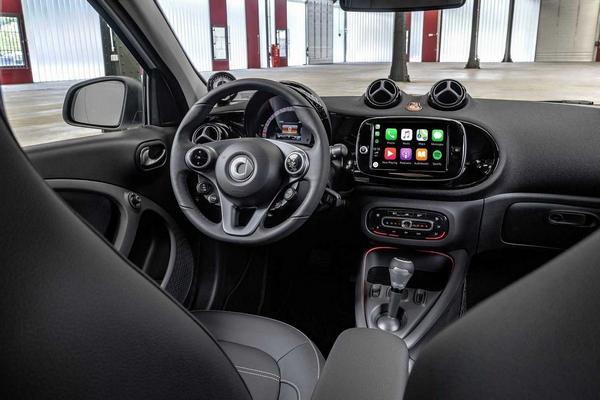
(272, 357)
(80, 321)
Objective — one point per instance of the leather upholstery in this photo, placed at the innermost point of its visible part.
(276, 360)
(81, 322)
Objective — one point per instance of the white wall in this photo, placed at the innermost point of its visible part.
(370, 37)
(296, 23)
(236, 24)
(416, 36)
(64, 40)
(456, 31)
(567, 30)
(339, 34)
(190, 20)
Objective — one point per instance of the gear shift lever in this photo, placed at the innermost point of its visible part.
(401, 270)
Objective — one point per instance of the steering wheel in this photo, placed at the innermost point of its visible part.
(250, 173)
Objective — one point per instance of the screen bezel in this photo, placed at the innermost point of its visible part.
(455, 159)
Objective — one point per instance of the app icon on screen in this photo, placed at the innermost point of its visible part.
(422, 135)
(389, 153)
(437, 135)
(406, 154)
(391, 134)
(421, 154)
(406, 134)
(437, 155)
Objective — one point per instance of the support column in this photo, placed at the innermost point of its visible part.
(473, 62)
(511, 16)
(218, 18)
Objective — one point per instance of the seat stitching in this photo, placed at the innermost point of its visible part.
(258, 370)
(283, 323)
(261, 375)
(294, 386)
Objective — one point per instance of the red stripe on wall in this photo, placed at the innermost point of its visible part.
(430, 36)
(281, 23)
(218, 17)
(252, 34)
(15, 75)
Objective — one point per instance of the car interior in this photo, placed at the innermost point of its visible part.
(250, 239)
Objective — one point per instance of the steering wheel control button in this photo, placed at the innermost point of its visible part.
(212, 198)
(204, 187)
(135, 200)
(289, 194)
(241, 168)
(296, 163)
(199, 158)
(363, 150)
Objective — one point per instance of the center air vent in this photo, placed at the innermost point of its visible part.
(383, 93)
(448, 95)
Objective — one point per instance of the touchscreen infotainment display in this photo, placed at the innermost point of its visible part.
(409, 146)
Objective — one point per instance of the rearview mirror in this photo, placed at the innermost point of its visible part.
(110, 103)
(399, 5)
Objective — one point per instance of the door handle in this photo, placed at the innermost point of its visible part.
(579, 219)
(152, 155)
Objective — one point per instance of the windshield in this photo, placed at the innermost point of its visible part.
(517, 49)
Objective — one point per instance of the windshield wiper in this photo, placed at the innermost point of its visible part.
(580, 102)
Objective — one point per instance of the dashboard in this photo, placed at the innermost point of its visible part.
(508, 146)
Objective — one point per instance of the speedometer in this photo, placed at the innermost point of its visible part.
(283, 124)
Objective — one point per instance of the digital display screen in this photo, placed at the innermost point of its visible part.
(290, 131)
(409, 146)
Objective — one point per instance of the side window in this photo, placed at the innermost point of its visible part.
(49, 48)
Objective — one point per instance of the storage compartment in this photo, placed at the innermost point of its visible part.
(548, 225)
(151, 249)
(98, 210)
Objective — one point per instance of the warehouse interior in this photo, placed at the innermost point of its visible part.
(332, 51)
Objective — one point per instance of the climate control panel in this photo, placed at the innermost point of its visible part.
(407, 223)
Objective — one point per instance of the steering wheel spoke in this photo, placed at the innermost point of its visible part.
(238, 221)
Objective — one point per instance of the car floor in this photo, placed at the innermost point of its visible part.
(307, 280)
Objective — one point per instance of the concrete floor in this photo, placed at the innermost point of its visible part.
(35, 110)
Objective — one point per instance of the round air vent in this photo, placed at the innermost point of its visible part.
(210, 132)
(448, 95)
(383, 93)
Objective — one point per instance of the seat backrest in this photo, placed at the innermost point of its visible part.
(78, 320)
(537, 339)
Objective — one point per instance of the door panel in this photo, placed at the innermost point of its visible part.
(106, 182)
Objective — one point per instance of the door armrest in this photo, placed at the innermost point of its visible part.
(364, 364)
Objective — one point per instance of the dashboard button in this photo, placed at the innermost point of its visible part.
(363, 150)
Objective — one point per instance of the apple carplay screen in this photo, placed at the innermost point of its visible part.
(409, 146)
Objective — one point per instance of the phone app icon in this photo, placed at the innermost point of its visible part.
(389, 153)
(437, 135)
(406, 154)
(422, 135)
(406, 134)
(391, 134)
(421, 154)
(437, 155)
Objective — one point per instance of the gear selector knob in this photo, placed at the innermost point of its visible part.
(401, 270)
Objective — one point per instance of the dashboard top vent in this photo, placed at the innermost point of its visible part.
(383, 93)
(448, 95)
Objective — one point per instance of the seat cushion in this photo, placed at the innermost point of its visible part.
(276, 360)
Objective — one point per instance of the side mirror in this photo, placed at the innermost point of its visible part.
(110, 103)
